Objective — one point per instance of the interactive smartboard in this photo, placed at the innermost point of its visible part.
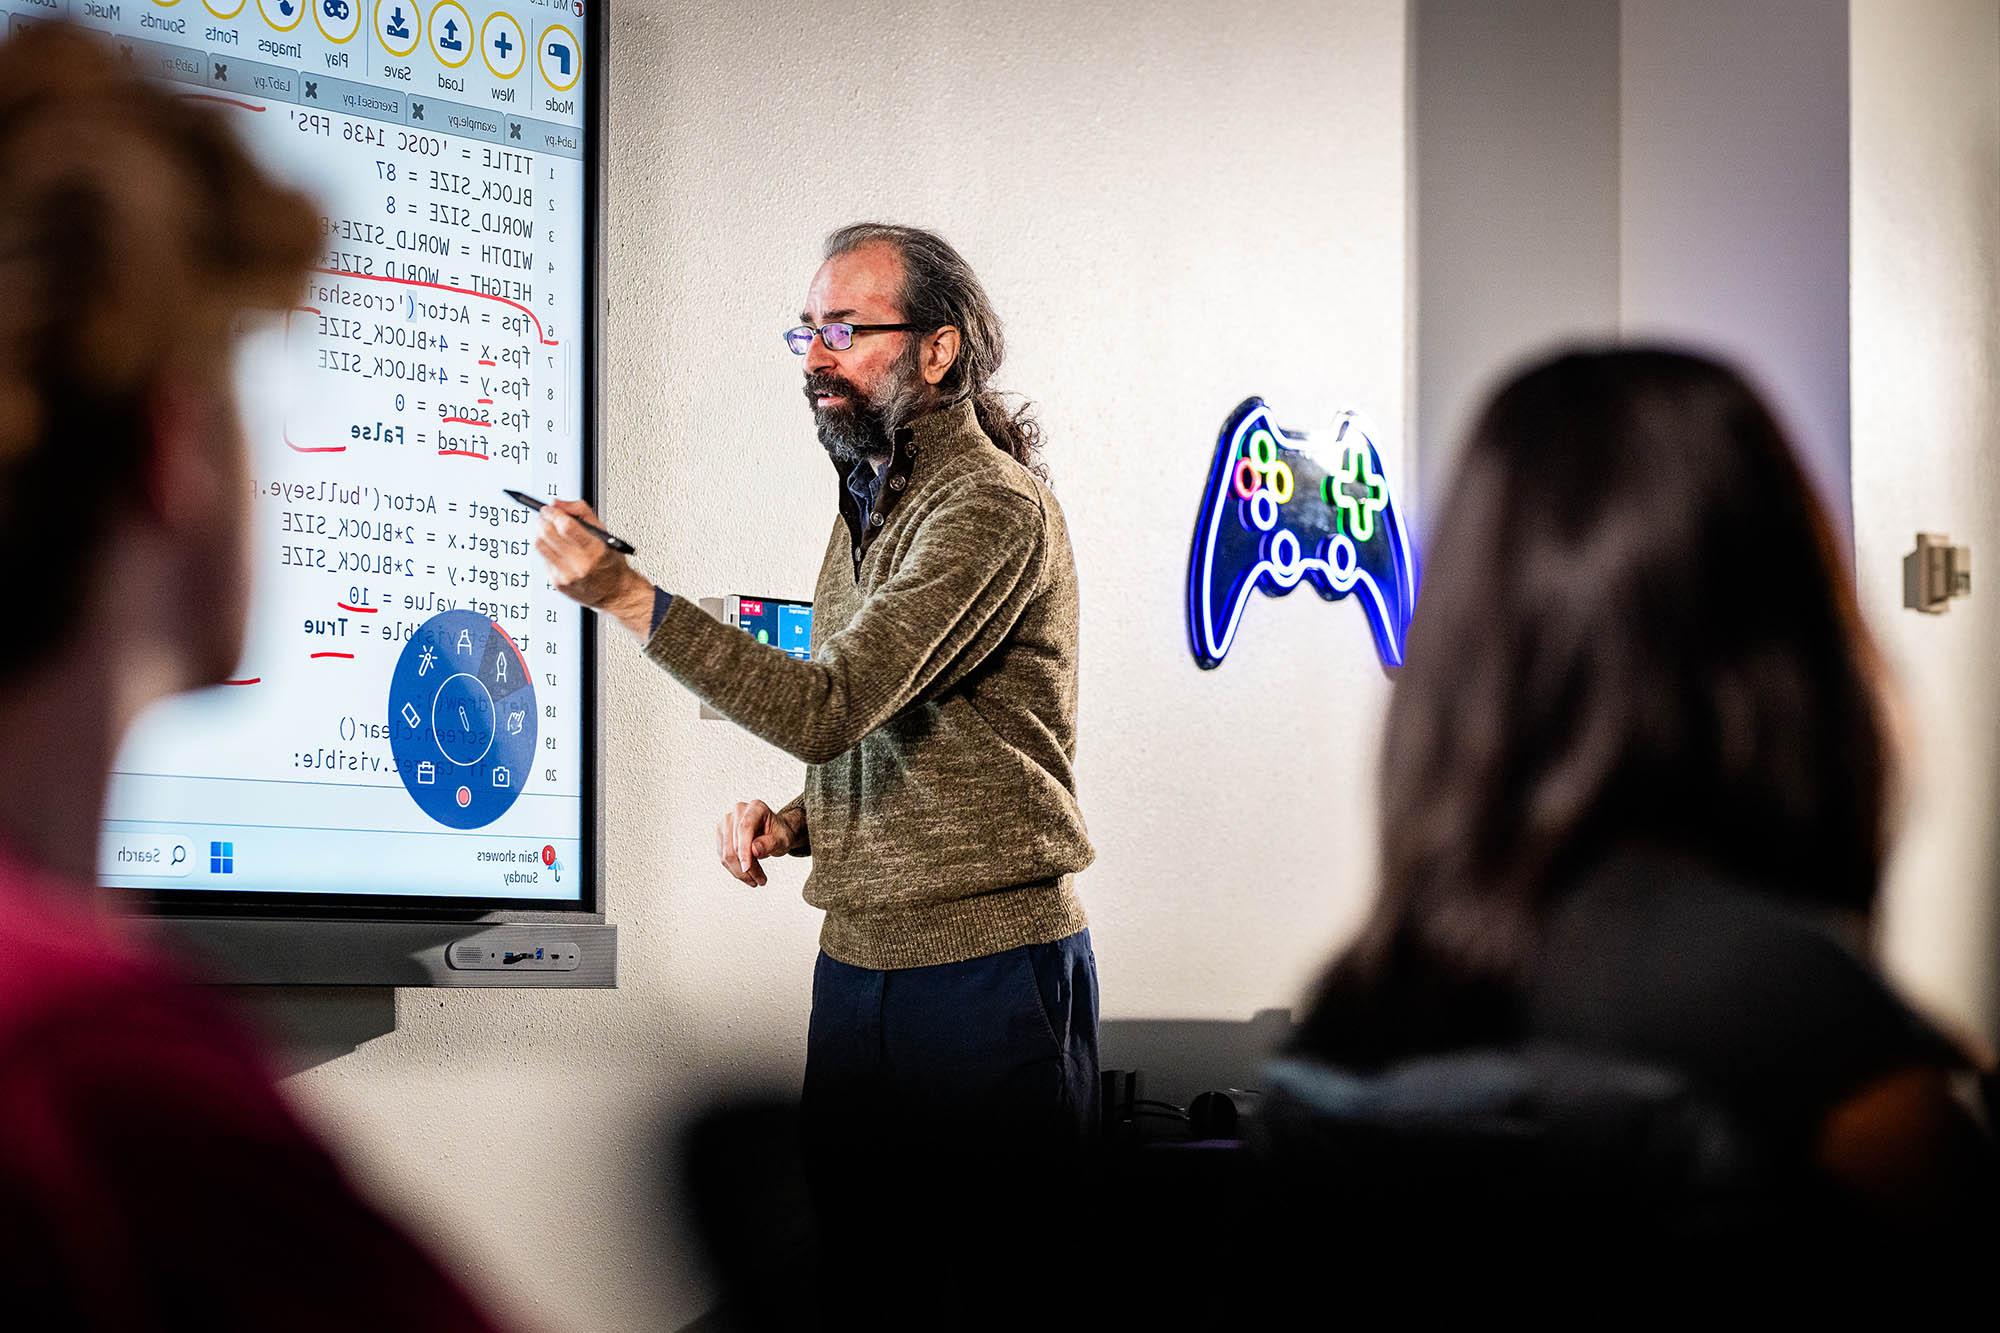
(409, 722)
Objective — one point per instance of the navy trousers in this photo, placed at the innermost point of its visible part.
(949, 1113)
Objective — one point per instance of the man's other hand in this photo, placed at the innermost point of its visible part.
(751, 832)
(584, 569)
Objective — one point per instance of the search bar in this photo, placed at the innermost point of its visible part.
(146, 854)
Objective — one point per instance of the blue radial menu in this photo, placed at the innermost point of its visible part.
(462, 719)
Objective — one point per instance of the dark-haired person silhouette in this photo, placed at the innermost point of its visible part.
(1633, 810)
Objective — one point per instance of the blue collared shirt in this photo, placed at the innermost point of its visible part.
(864, 483)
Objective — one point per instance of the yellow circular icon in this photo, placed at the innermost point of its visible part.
(344, 17)
(223, 10)
(451, 33)
(169, 4)
(283, 15)
(504, 51)
(560, 58)
(399, 29)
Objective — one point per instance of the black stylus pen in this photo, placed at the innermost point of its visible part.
(618, 544)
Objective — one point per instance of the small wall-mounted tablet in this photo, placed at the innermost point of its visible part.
(781, 622)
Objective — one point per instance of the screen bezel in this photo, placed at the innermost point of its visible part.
(589, 903)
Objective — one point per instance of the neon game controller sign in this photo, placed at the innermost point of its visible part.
(1285, 507)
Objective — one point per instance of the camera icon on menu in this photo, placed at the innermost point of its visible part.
(501, 777)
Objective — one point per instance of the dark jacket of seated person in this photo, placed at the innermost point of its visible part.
(1633, 783)
(151, 1176)
(1762, 1000)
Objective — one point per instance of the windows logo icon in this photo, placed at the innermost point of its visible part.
(222, 858)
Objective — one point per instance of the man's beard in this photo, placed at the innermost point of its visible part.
(864, 424)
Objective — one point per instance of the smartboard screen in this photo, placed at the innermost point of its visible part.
(408, 726)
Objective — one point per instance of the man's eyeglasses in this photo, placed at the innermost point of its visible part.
(838, 337)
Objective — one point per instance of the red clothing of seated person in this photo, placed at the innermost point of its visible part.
(151, 1176)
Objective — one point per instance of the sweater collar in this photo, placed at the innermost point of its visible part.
(915, 452)
(946, 429)
(939, 433)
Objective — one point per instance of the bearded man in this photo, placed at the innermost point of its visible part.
(954, 1013)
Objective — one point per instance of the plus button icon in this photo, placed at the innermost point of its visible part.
(502, 45)
(1358, 493)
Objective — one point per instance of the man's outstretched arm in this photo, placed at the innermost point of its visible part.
(953, 599)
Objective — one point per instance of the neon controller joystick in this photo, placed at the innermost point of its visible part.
(1285, 506)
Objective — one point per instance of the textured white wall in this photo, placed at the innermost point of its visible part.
(1734, 200)
(1653, 169)
(1515, 159)
(1173, 207)
(1926, 331)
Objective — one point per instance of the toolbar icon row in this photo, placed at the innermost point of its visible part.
(400, 26)
(337, 19)
(502, 42)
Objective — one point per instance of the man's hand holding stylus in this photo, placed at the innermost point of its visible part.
(584, 569)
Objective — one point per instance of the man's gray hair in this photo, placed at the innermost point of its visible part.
(940, 288)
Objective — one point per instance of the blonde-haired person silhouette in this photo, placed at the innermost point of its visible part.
(151, 1176)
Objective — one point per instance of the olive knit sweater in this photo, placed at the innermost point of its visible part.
(937, 717)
